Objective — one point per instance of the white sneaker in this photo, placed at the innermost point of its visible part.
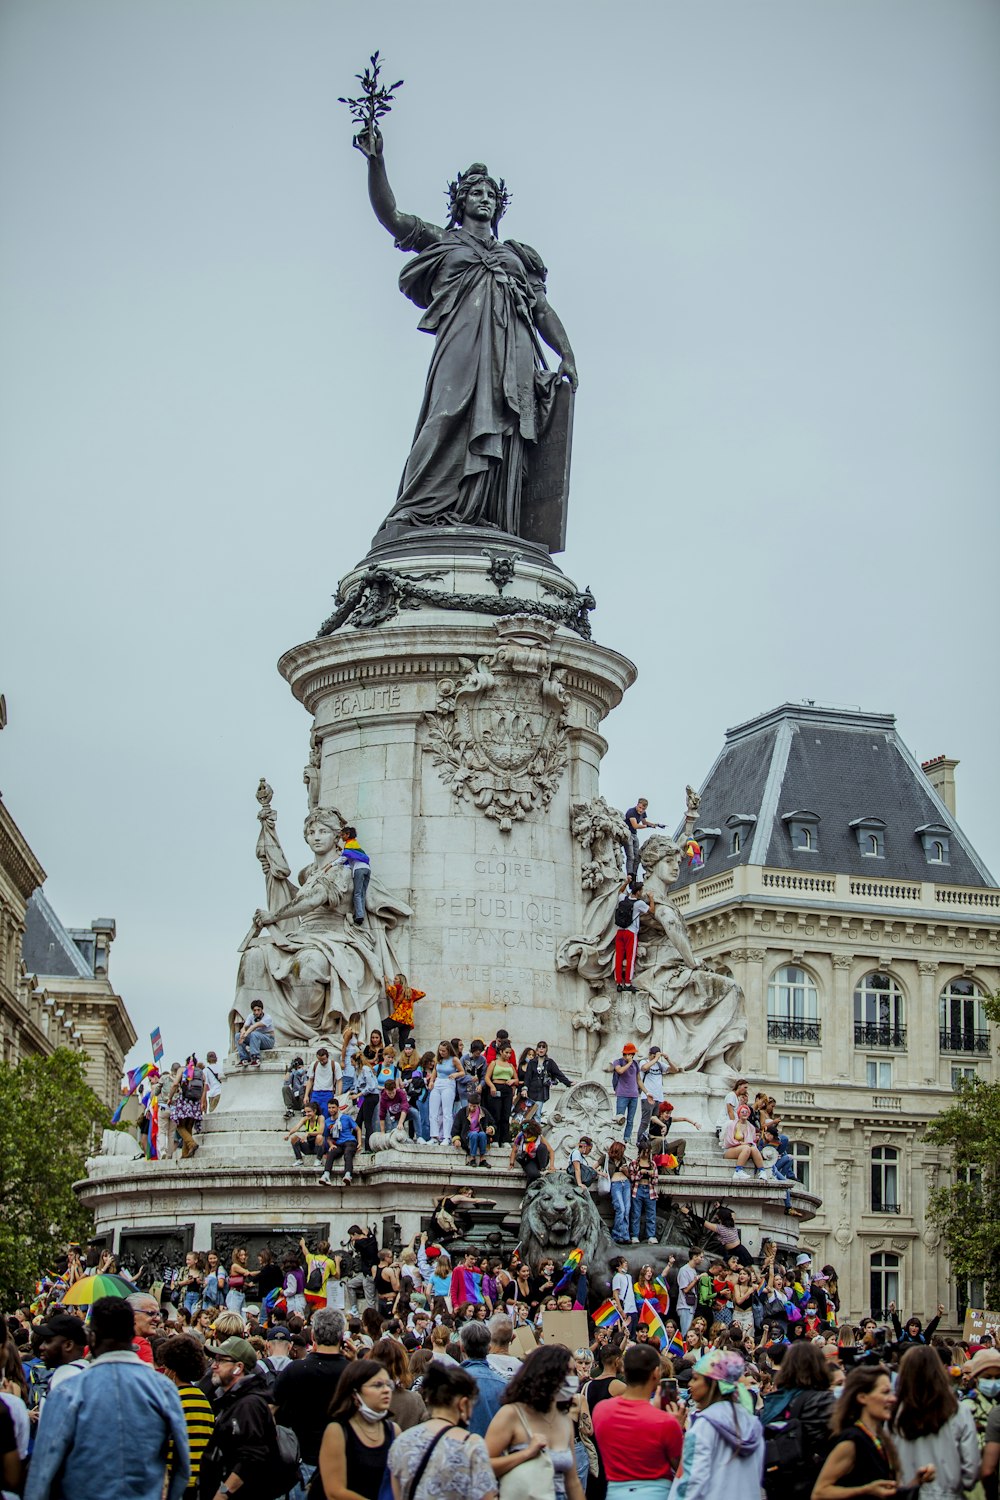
(652, 1240)
(740, 1173)
(324, 1180)
(635, 1239)
(298, 1162)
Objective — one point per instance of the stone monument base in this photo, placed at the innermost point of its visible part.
(242, 1186)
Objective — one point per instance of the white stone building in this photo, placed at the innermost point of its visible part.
(841, 893)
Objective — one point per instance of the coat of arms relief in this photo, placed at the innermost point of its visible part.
(498, 733)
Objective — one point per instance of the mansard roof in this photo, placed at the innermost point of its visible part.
(48, 949)
(853, 773)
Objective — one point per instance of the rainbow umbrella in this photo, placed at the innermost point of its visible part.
(90, 1289)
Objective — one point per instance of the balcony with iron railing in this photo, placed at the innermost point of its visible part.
(879, 1034)
(963, 1039)
(787, 1029)
(885, 1208)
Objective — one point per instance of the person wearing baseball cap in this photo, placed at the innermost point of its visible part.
(244, 1445)
(625, 1079)
(724, 1445)
(62, 1340)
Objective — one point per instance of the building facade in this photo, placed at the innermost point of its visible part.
(54, 985)
(840, 891)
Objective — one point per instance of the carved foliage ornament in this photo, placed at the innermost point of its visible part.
(381, 593)
(498, 734)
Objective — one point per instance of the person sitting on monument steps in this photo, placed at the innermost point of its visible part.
(472, 1128)
(257, 1036)
(532, 1152)
(739, 1144)
(354, 857)
(581, 1171)
(293, 1087)
(631, 907)
(307, 1135)
(636, 818)
(342, 1138)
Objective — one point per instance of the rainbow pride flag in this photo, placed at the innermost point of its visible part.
(676, 1345)
(570, 1264)
(607, 1315)
(135, 1077)
(466, 1286)
(651, 1319)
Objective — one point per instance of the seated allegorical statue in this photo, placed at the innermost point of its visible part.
(315, 969)
(695, 1014)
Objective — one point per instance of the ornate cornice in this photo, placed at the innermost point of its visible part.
(17, 857)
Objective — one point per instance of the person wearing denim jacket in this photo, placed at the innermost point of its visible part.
(109, 1431)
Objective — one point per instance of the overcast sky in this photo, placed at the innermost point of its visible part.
(773, 234)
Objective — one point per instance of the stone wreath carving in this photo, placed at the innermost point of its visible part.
(381, 593)
(497, 735)
(600, 829)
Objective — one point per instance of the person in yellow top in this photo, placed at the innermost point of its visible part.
(403, 998)
(183, 1362)
(330, 1292)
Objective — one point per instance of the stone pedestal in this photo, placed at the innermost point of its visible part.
(457, 742)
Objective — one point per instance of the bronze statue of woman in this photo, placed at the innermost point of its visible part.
(488, 396)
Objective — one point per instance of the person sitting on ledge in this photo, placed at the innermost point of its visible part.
(307, 1135)
(257, 1036)
(342, 1139)
(471, 1129)
(532, 1152)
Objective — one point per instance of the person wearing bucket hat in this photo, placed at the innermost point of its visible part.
(627, 1086)
(723, 1456)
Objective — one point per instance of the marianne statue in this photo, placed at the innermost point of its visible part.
(489, 400)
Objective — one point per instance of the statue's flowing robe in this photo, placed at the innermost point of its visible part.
(487, 394)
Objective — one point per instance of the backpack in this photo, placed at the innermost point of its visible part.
(624, 912)
(193, 1086)
(287, 1470)
(314, 1281)
(785, 1452)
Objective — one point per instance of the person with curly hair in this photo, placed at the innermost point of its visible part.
(182, 1360)
(533, 1425)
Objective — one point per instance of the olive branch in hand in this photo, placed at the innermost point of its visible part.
(375, 101)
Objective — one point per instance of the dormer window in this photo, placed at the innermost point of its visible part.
(803, 831)
(870, 834)
(935, 838)
(707, 838)
(740, 827)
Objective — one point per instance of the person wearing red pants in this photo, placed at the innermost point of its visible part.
(630, 908)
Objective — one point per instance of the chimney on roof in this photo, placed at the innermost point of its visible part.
(940, 772)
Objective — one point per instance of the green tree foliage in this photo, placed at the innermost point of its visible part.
(48, 1120)
(968, 1209)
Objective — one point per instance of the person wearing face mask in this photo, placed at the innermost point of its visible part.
(983, 1403)
(533, 1431)
(359, 1433)
(441, 1457)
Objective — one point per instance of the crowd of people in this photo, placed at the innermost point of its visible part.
(426, 1375)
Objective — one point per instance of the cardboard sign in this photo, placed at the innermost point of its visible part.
(977, 1322)
(523, 1343)
(568, 1328)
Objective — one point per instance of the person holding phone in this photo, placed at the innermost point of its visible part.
(638, 1441)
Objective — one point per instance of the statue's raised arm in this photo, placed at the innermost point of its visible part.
(383, 199)
(486, 426)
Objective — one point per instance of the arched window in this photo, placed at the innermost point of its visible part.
(884, 1283)
(874, 847)
(792, 1007)
(962, 1018)
(734, 842)
(885, 1180)
(879, 1012)
(804, 838)
(937, 857)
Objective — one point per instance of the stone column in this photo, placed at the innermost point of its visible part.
(458, 743)
(922, 1027)
(838, 1020)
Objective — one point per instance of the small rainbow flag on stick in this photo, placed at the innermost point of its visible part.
(607, 1315)
(651, 1319)
(570, 1264)
(676, 1345)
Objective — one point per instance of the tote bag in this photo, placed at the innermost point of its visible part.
(532, 1480)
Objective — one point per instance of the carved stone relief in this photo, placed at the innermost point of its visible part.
(497, 735)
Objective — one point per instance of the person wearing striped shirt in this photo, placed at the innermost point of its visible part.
(183, 1362)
